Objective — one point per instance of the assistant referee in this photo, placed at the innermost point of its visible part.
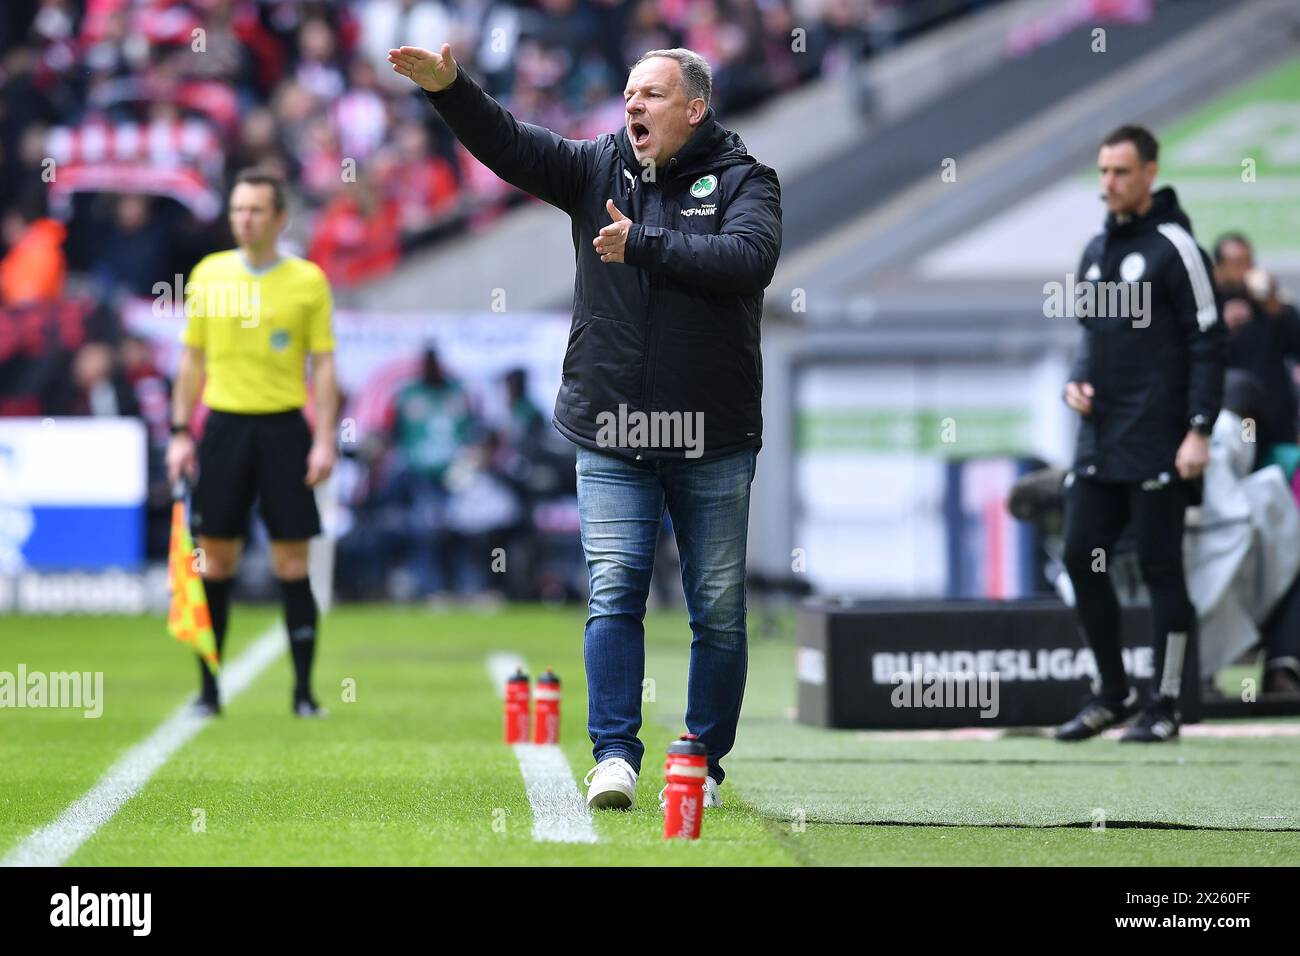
(253, 316)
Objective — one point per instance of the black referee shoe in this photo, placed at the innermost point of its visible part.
(307, 708)
(205, 707)
(1157, 723)
(1097, 715)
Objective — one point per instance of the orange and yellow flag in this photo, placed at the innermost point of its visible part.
(188, 619)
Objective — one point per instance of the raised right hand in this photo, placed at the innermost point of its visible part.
(1078, 395)
(428, 70)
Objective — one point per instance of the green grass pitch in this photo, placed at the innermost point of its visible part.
(413, 771)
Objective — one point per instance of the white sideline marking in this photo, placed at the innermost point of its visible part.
(560, 815)
(54, 843)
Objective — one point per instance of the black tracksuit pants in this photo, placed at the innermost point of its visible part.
(1096, 514)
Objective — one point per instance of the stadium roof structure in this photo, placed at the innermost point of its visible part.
(937, 252)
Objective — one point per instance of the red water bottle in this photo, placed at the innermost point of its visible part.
(546, 709)
(517, 708)
(685, 770)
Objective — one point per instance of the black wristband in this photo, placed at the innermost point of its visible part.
(180, 429)
(1202, 426)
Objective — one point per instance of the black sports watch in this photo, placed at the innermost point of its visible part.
(1202, 426)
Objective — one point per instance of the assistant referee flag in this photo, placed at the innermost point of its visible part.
(188, 619)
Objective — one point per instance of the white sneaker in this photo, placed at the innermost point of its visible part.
(611, 785)
(712, 794)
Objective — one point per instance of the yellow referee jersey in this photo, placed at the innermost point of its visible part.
(256, 329)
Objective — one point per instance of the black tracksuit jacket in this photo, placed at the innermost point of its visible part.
(1150, 380)
(674, 328)
(1261, 347)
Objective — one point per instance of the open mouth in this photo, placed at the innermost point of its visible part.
(639, 134)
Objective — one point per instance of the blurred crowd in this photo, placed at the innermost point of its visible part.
(420, 502)
(122, 121)
(446, 499)
(1263, 342)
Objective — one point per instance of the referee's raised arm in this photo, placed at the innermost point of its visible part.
(532, 158)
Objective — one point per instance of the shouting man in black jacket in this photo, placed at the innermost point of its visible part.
(676, 231)
(1148, 382)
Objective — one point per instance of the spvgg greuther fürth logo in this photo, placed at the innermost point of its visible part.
(704, 186)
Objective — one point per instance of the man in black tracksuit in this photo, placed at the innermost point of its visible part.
(1263, 334)
(1148, 382)
(676, 230)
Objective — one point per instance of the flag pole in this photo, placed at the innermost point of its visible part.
(188, 617)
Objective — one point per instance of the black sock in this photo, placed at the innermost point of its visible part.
(1116, 698)
(300, 622)
(218, 593)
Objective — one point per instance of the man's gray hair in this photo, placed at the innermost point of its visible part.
(697, 75)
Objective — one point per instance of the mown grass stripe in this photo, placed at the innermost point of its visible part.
(54, 843)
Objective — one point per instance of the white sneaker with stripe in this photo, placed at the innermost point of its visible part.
(611, 785)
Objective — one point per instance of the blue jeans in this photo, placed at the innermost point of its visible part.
(621, 505)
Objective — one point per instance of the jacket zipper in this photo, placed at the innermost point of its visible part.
(648, 351)
(1099, 454)
(647, 368)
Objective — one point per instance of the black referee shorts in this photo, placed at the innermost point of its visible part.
(243, 458)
